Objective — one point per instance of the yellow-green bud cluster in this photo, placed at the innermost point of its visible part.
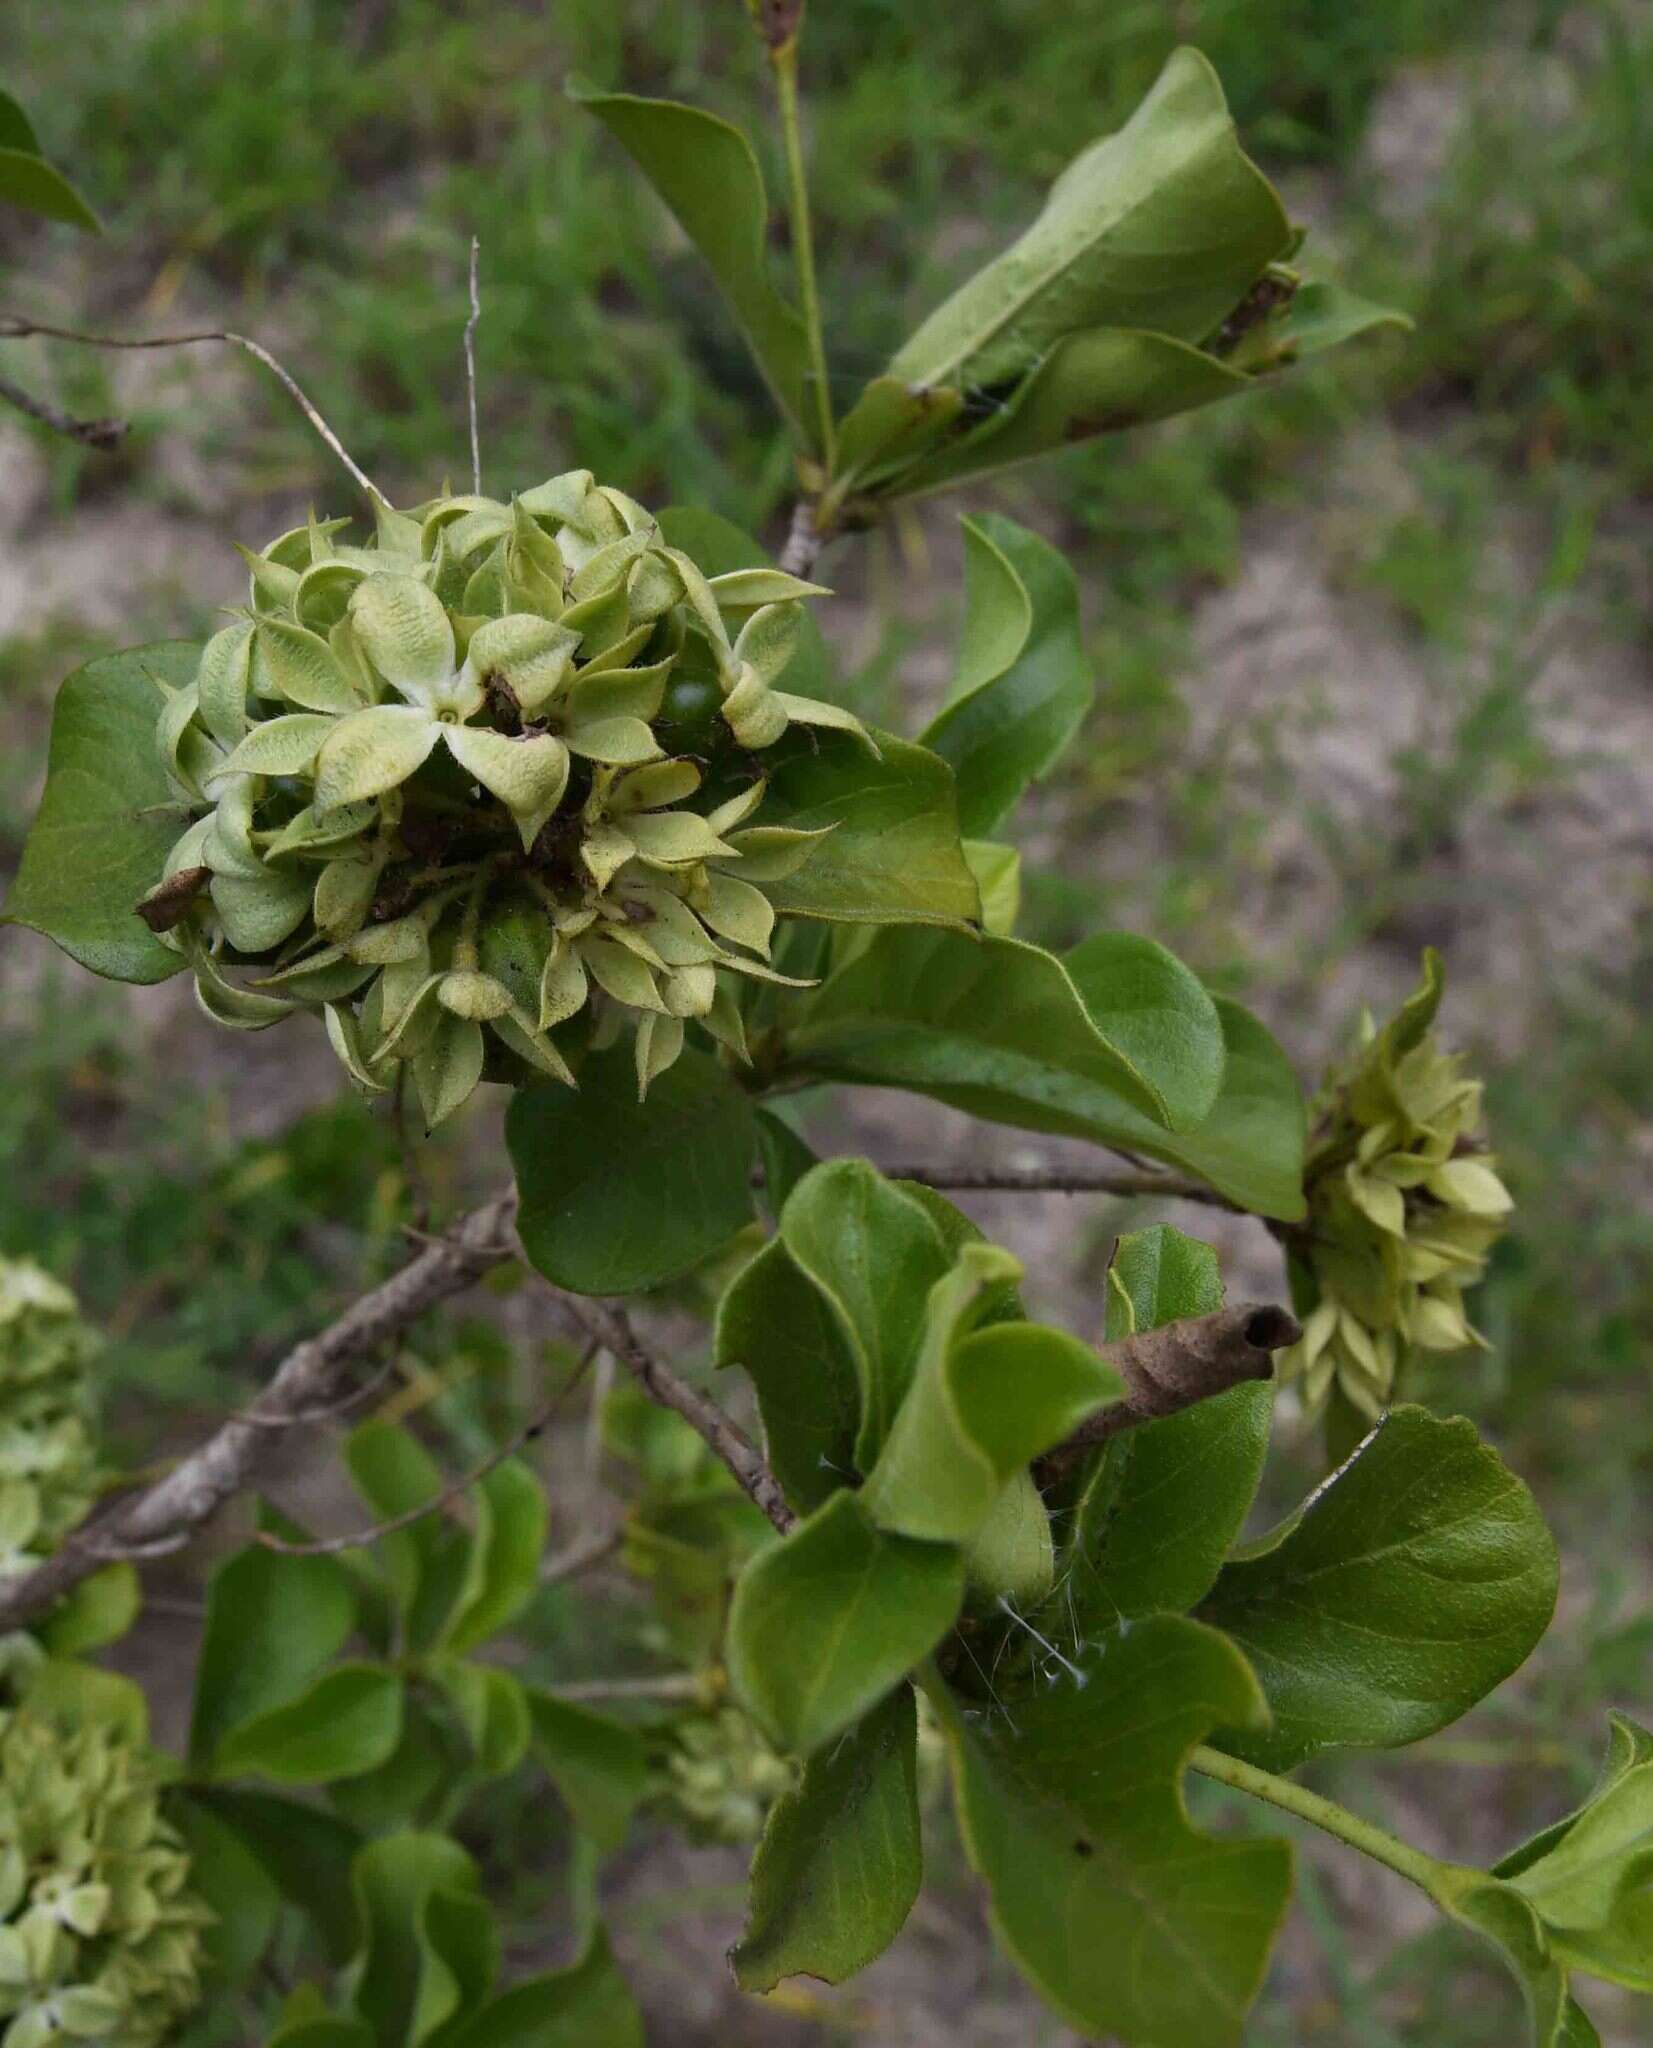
(100, 1939)
(453, 780)
(48, 1441)
(719, 1776)
(1404, 1207)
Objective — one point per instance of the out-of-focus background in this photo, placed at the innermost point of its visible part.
(1375, 672)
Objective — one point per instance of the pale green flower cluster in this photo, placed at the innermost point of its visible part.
(720, 1776)
(48, 1441)
(1404, 1208)
(448, 782)
(100, 1940)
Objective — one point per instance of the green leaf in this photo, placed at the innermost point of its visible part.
(79, 1694)
(1321, 315)
(1023, 685)
(873, 1255)
(98, 1611)
(1412, 1583)
(1124, 1917)
(274, 1622)
(492, 1708)
(983, 1404)
(323, 2032)
(707, 173)
(599, 1766)
(1162, 1503)
(16, 129)
(28, 181)
(825, 1622)
(892, 853)
(786, 1157)
(998, 609)
(1163, 225)
(1590, 1877)
(619, 1195)
(307, 1852)
(779, 1329)
(347, 1722)
(1502, 1916)
(426, 1562)
(245, 1898)
(585, 2006)
(108, 817)
(1249, 1147)
(1001, 1029)
(840, 1862)
(410, 1785)
(412, 1978)
(998, 872)
(1098, 382)
(503, 1571)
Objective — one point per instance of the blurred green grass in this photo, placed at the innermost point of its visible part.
(313, 171)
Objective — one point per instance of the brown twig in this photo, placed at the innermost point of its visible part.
(18, 327)
(164, 1516)
(610, 1324)
(456, 1489)
(101, 434)
(1164, 1370)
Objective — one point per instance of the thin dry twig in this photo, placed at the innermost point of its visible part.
(804, 542)
(1164, 1370)
(470, 366)
(166, 1515)
(439, 1503)
(18, 327)
(610, 1324)
(100, 434)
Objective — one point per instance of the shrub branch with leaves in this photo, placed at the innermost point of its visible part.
(552, 792)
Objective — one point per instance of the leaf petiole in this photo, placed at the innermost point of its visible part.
(1413, 1864)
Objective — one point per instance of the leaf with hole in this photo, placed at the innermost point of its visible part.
(1126, 1919)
